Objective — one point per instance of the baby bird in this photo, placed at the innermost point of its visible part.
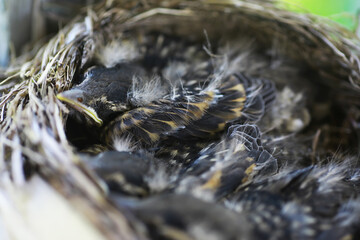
(132, 175)
(224, 166)
(102, 92)
(221, 168)
(127, 104)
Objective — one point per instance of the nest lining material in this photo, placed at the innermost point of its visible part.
(33, 119)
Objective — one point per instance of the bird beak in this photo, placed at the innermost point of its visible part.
(88, 111)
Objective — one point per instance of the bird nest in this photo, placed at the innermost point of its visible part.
(313, 62)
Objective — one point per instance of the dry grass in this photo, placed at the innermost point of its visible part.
(32, 118)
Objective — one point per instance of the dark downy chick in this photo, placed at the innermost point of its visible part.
(107, 95)
(98, 99)
(220, 169)
(228, 164)
(305, 203)
(136, 174)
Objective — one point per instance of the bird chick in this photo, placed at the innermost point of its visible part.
(189, 112)
(135, 174)
(305, 203)
(102, 92)
(226, 165)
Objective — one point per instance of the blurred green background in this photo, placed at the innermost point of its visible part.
(345, 12)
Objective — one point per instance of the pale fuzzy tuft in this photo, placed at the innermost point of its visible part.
(241, 57)
(123, 144)
(330, 177)
(175, 70)
(355, 176)
(158, 179)
(117, 52)
(145, 91)
(215, 81)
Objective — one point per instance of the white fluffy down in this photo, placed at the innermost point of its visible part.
(116, 52)
(123, 144)
(145, 91)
